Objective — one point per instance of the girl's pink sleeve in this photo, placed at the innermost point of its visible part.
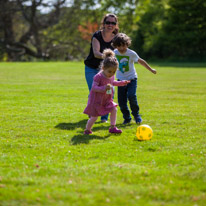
(119, 83)
(96, 87)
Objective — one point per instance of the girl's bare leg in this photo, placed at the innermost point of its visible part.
(90, 123)
(113, 117)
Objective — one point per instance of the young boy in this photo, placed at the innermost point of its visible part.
(126, 58)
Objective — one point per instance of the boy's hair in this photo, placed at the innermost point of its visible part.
(104, 19)
(109, 60)
(121, 39)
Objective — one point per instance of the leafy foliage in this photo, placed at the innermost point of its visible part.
(164, 29)
(173, 30)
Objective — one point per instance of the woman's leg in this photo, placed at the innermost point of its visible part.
(104, 118)
(89, 75)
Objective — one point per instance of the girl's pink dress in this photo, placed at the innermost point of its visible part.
(100, 103)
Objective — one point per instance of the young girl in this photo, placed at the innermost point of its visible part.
(100, 100)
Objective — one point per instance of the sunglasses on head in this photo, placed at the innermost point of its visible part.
(109, 22)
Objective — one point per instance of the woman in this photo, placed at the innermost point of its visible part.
(101, 40)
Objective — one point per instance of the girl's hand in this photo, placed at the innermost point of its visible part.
(154, 71)
(126, 82)
(108, 87)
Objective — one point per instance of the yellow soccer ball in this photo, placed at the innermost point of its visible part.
(144, 132)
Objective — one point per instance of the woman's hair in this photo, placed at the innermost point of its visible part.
(104, 19)
(121, 39)
(109, 61)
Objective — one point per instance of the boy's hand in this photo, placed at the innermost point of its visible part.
(154, 71)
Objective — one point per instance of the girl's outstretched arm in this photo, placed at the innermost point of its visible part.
(120, 83)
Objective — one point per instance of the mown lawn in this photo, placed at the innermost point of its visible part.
(46, 160)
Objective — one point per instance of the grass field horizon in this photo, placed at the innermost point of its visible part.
(46, 160)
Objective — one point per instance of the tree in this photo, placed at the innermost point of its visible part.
(7, 8)
(185, 30)
(164, 29)
(30, 41)
(59, 32)
(151, 15)
(173, 30)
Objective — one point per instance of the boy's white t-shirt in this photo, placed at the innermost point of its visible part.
(126, 70)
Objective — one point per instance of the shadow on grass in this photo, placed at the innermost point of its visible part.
(72, 125)
(82, 124)
(85, 139)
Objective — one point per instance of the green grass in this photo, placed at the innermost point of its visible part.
(46, 160)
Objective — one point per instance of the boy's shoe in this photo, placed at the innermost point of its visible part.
(138, 119)
(127, 121)
(87, 132)
(115, 130)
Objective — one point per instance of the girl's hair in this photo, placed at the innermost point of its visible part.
(121, 39)
(109, 60)
(104, 19)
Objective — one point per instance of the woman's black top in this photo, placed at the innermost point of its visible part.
(91, 61)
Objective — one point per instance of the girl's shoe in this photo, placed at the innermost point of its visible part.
(115, 130)
(87, 132)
